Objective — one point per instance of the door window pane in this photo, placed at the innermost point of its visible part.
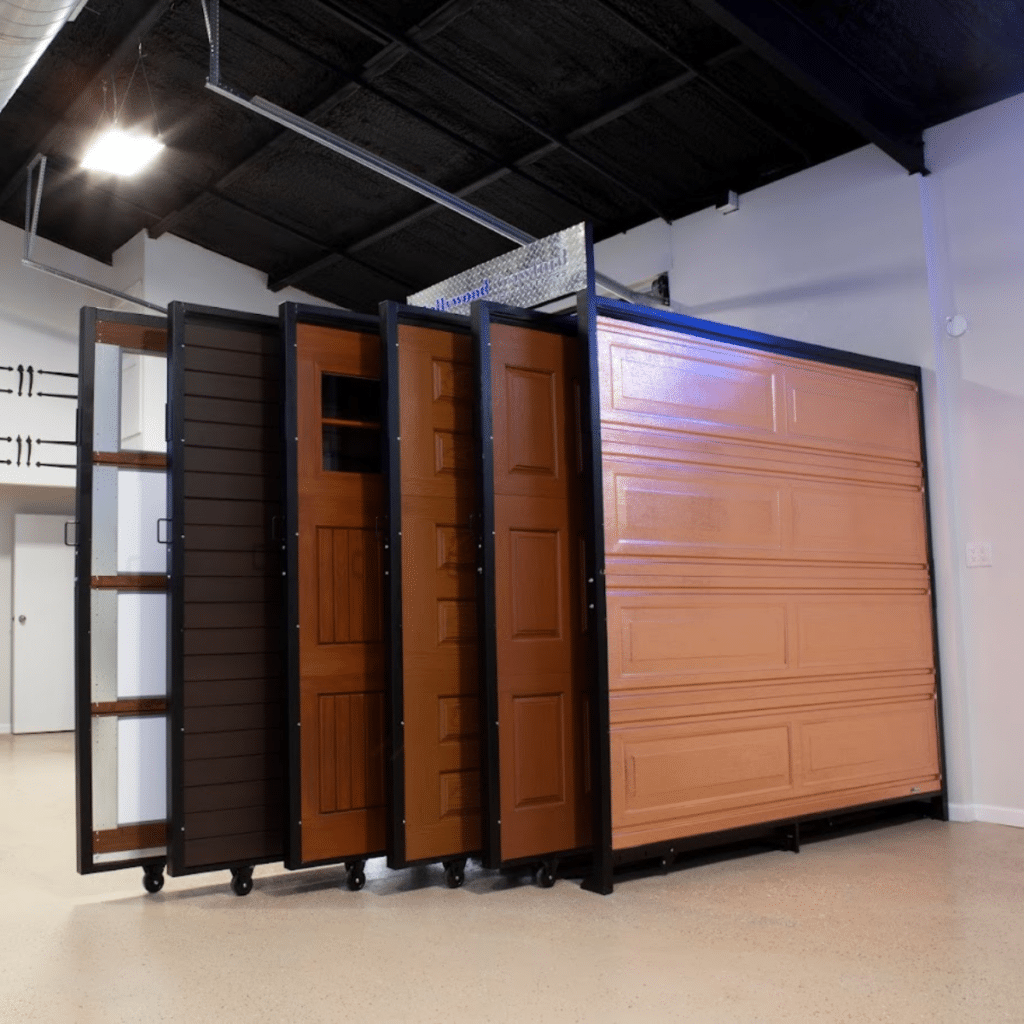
(351, 436)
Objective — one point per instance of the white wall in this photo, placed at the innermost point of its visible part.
(176, 270)
(14, 500)
(39, 318)
(39, 327)
(857, 255)
(978, 163)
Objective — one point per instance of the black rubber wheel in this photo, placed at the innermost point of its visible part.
(241, 882)
(152, 881)
(545, 876)
(454, 874)
(355, 879)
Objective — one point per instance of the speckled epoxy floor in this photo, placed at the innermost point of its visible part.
(919, 922)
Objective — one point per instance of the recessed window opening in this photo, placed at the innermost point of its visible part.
(351, 421)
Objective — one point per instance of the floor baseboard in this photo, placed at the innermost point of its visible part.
(1012, 816)
(1000, 815)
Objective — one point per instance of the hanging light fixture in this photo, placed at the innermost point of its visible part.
(119, 150)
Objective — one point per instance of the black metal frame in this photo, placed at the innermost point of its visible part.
(392, 316)
(589, 308)
(483, 315)
(292, 314)
(88, 320)
(178, 315)
(790, 829)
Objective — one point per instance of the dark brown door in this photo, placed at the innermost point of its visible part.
(440, 672)
(540, 618)
(227, 677)
(341, 640)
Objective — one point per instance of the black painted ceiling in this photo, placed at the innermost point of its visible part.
(543, 112)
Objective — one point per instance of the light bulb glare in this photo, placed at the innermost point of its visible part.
(121, 152)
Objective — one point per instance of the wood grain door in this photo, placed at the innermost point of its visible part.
(540, 616)
(341, 638)
(439, 650)
(770, 643)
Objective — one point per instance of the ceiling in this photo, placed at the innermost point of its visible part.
(541, 113)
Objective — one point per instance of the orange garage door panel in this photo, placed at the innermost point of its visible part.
(770, 644)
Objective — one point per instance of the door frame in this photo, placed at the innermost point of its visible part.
(292, 314)
(90, 319)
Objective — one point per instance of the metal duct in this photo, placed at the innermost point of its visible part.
(27, 27)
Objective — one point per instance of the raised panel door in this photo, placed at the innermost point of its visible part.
(769, 620)
(440, 675)
(540, 613)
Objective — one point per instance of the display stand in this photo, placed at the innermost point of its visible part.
(120, 599)
(764, 586)
(432, 567)
(227, 610)
(335, 548)
(537, 635)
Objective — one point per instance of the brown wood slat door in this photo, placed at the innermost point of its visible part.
(228, 763)
(770, 637)
(439, 615)
(539, 614)
(341, 639)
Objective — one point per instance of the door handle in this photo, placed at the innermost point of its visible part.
(159, 539)
(22, 619)
(71, 543)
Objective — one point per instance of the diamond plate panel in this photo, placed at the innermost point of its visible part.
(529, 276)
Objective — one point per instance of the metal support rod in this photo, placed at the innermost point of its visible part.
(372, 162)
(32, 209)
(377, 164)
(214, 29)
(92, 285)
(32, 226)
(403, 177)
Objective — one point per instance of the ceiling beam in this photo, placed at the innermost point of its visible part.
(435, 22)
(375, 31)
(381, 62)
(778, 36)
(296, 273)
(701, 71)
(115, 57)
(282, 224)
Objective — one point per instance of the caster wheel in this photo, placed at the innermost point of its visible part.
(356, 877)
(152, 879)
(454, 874)
(545, 876)
(241, 881)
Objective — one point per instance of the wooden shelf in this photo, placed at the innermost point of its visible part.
(131, 460)
(138, 582)
(359, 424)
(135, 706)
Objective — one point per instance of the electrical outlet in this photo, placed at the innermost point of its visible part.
(979, 555)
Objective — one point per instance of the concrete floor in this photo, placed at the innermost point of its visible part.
(916, 922)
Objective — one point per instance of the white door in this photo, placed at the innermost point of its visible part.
(43, 629)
